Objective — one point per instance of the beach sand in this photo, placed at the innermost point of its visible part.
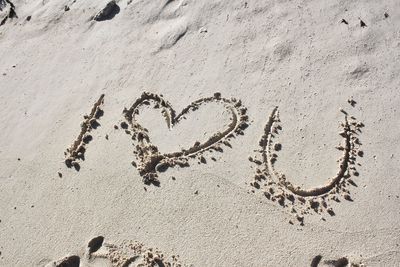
(199, 133)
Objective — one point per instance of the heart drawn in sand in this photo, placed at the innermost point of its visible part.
(149, 160)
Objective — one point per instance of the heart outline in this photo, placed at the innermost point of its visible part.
(151, 160)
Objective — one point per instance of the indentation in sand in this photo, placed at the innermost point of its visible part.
(150, 161)
(132, 253)
(127, 253)
(7, 11)
(108, 12)
(278, 188)
(69, 261)
(340, 262)
(76, 151)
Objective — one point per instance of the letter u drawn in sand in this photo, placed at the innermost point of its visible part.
(276, 185)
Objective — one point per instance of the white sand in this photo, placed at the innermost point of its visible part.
(296, 55)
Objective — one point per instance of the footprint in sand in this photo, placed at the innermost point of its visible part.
(108, 12)
(277, 187)
(69, 261)
(127, 253)
(340, 262)
(150, 161)
(168, 24)
(7, 11)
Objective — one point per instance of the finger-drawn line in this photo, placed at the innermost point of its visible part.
(278, 188)
(151, 160)
(77, 150)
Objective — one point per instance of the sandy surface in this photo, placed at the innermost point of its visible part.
(297, 101)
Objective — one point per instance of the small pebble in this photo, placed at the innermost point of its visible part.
(347, 197)
(362, 24)
(277, 147)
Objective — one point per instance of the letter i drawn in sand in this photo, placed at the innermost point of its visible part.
(76, 151)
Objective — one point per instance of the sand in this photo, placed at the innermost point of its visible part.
(199, 133)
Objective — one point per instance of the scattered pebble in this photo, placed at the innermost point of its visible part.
(351, 101)
(362, 24)
(347, 197)
(300, 218)
(277, 147)
(124, 125)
